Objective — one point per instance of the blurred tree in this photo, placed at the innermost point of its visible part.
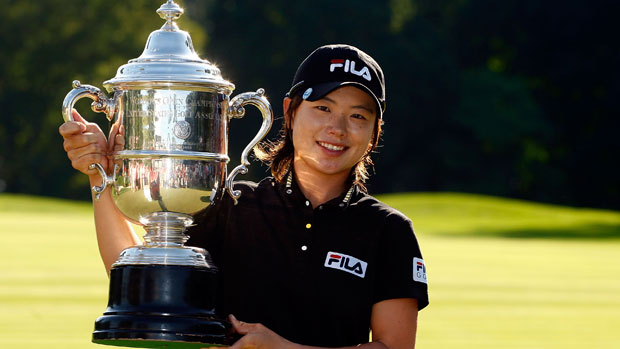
(261, 43)
(46, 45)
(566, 52)
(514, 98)
(497, 136)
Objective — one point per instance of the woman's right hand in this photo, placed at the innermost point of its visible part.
(86, 144)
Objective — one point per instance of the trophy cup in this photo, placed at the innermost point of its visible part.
(174, 108)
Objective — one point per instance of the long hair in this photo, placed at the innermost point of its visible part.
(279, 155)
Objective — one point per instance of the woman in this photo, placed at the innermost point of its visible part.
(306, 257)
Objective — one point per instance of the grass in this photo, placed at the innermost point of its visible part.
(52, 283)
(477, 215)
(503, 273)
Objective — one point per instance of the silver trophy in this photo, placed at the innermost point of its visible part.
(174, 108)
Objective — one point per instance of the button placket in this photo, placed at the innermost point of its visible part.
(307, 229)
(307, 215)
(308, 220)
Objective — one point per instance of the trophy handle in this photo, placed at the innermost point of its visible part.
(101, 104)
(236, 110)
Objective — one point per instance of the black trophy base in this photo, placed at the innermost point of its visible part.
(152, 344)
(162, 306)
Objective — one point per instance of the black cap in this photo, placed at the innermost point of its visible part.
(332, 66)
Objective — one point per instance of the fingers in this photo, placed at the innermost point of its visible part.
(112, 135)
(83, 163)
(116, 141)
(77, 117)
(90, 126)
(81, 140)
(119, 143)
(84, 149)
(71, 128)
(91, 150)
(80, 133)
(239, 326)
(79, 125)
(256, 335)
(82, 157)
(85, 144)
(243, 327)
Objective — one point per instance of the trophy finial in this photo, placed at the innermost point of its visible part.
(170, 11)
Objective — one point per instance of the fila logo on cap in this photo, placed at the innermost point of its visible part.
(349, 67)
(419, 270)
(346, 263)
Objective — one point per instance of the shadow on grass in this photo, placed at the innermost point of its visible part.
(586, 231)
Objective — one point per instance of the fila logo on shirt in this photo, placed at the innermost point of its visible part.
(419, 270)
(349, 67)
(346, 263)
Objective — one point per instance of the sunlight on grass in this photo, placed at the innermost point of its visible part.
(465, 214)
(502, 273)
(494, 293)
(53, 283)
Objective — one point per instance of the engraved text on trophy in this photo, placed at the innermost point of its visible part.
(175, 120)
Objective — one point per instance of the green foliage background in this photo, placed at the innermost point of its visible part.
(510, 98)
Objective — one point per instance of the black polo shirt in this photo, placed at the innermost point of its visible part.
(311, 275)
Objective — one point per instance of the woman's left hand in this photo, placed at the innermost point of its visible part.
(257, 336)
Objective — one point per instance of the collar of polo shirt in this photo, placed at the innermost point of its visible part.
(289, 189)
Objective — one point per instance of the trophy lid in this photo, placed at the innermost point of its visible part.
(169, 60)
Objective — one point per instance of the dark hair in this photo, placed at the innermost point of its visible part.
(278, 155)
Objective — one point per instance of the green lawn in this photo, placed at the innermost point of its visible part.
(502, 273)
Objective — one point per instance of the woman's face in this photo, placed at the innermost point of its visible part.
(332, 134)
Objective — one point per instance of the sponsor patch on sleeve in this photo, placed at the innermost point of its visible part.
(419, 270)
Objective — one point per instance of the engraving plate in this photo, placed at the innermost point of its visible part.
(175, 120)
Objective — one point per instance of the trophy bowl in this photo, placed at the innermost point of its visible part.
(172, 109)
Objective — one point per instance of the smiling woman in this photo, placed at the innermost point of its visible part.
(329, 69)
(306, 256)
(331, 135)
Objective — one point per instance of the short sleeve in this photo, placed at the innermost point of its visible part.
(401, 269)
(208, 229)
